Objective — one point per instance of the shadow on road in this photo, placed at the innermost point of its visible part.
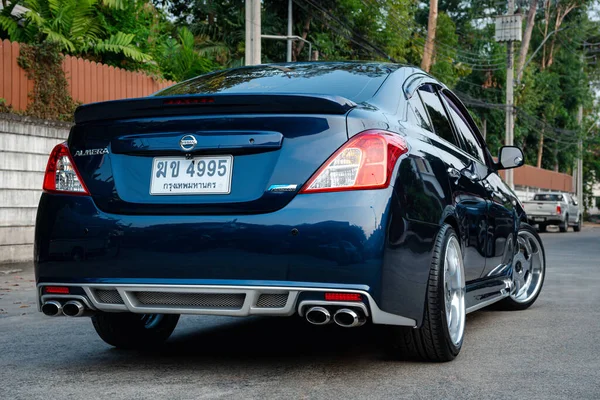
(274, 339)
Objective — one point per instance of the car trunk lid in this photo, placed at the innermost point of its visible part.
(145, 156)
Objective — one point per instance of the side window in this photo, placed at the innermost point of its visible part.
(438, 115)
(417, 114)
(471, 144)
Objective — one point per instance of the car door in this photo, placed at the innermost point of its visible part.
(500, 214)
(469, 195)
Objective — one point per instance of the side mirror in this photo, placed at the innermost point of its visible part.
(510, 157)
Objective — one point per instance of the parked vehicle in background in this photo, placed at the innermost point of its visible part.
(554, 209)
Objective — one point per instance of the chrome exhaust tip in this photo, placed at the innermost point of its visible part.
(52, 308)
(348, 318)
(318, 316)
(73, 308)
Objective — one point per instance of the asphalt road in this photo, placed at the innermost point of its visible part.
(551, 351)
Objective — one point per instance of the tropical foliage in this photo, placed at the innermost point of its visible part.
(75, 25)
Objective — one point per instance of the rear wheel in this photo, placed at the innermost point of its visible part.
(565, 225)
(577, 226)
(139, 331)
(440, 337)
(529, 270)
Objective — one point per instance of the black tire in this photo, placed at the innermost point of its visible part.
(508, 304)
(430, 342)
(542, 227)
(577, 226)
(565, 225)
(134, 331)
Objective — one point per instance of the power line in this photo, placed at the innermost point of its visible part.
(459, 52)
(341, 33)
(551, 133)
(354, 33)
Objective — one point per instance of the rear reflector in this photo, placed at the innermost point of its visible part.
(366, 161)
(56, 289)
(343, 297)
(61, 175)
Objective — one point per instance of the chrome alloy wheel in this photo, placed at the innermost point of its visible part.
(528, 268)
(454, 291)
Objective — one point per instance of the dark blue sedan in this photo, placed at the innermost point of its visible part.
(344, 193)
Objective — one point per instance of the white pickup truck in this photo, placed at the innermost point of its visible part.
(554, 209)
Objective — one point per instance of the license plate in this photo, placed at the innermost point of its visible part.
(539, 219)
(200, 175)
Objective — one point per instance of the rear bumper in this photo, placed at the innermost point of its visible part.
(350, 241)
(545, 219)
(232, 300)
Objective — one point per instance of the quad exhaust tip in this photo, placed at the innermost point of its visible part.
(348, 318)
(318, 316)
(73, 308)
(52, 308)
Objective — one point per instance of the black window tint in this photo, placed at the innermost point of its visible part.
(471, 144)
(357, 82)
(417, 114)
(438, 115)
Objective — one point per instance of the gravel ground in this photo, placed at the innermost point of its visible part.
(551, 351)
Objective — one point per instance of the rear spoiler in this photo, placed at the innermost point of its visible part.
(160, 106)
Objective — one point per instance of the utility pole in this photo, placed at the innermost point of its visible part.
(289, 32)
(579, 176)
(580, 160)
(253, 30)
(509, 29)
(510, 76)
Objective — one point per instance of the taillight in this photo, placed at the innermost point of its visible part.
(365, 162)
(61, 174)
(558, 209)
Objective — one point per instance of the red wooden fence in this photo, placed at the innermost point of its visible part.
(88, 81)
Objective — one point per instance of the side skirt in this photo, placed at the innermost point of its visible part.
(483, 293)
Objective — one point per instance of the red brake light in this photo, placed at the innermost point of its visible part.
(558, 209)
(62, 175)
(56, 289)
(186, 101)
(343, 297)
(366, 161)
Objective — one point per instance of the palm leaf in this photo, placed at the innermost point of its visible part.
(63, 42)
(116, 4)
(120, 43)
(10, 22)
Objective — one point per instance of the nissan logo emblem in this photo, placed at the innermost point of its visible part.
(188, 143)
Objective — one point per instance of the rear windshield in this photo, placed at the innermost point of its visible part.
(356, 82)
(548, 197)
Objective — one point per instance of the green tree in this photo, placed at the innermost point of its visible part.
(181, 58)
(74, 25)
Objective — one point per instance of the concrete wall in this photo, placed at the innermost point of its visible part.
(25, 144)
